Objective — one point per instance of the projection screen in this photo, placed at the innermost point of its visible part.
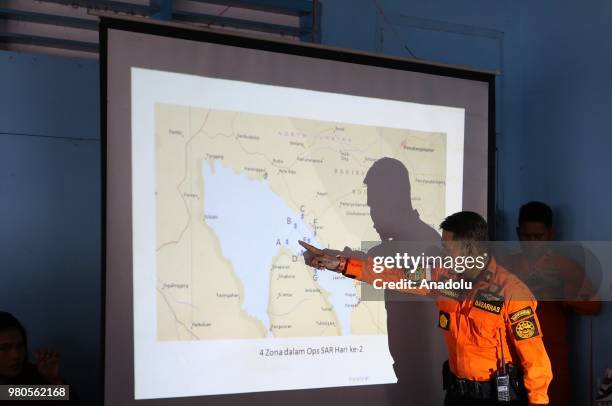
(220, 152)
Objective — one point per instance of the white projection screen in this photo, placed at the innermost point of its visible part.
(220, 152)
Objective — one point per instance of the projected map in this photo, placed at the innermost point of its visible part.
(235, 191)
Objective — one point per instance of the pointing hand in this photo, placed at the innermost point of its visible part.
(317, 258)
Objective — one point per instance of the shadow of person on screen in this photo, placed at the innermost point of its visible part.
(414, 340)
(415, 344)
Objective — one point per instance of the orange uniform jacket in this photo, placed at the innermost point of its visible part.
(471, 321)
(553, 314)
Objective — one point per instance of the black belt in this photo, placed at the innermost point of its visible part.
(480, 390)
(465, 388)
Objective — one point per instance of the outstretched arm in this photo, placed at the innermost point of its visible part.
(355, 268)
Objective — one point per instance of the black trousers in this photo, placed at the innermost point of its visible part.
(454, 401)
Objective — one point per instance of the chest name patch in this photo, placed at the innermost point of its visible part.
(453, 294)
(488, 302)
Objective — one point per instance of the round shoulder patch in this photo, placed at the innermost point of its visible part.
(525, 329)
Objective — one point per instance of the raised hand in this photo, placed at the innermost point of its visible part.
(47, 362)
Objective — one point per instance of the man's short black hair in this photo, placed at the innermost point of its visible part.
(536, 212)
(466, 226)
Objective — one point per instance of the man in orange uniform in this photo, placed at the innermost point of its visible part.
(545, 272)
(496, 315)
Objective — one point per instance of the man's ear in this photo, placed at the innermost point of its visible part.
(551, 230)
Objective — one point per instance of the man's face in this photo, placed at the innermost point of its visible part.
(12, 353)
(532, 234)
(534, 231)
